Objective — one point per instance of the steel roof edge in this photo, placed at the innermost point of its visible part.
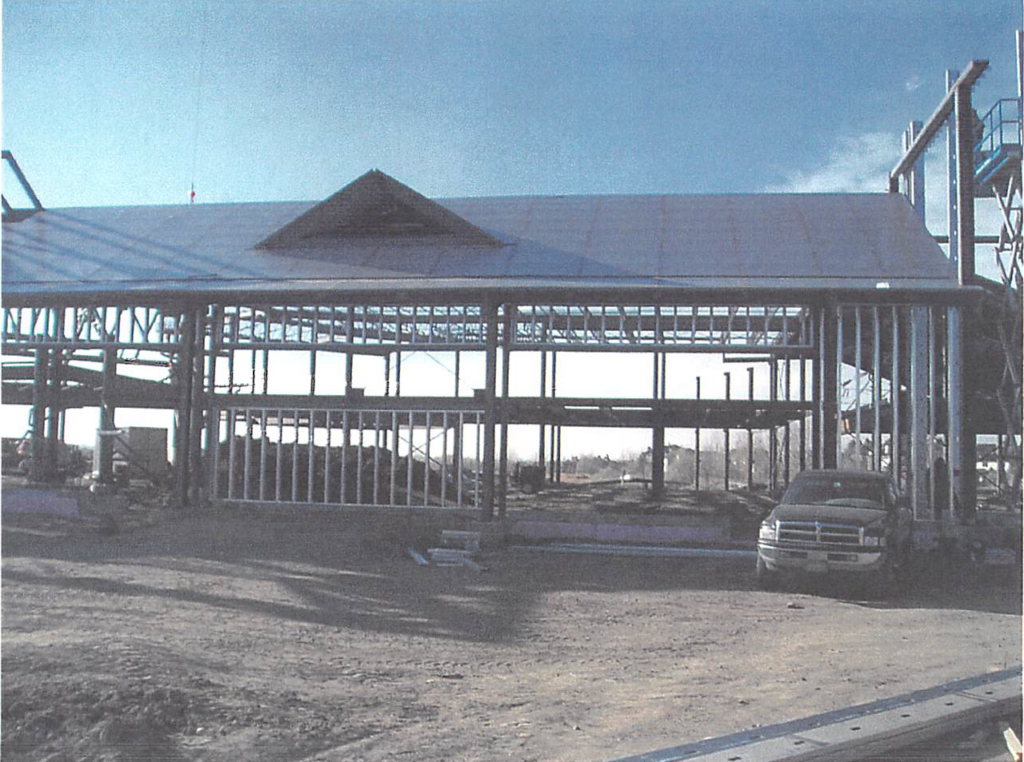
(444, 291)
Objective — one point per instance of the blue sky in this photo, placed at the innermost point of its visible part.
(122, 102)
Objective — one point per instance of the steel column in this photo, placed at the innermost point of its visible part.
(817, 385)
(954, 408)
(506, 372)
(104, 442)
(728, 455)
(658, 464)
(696, 439)
(211, 407)
(876, 390)
(964, 116)
(919, 413)
(897, 371)
(750, 434)
(182, 460)
(196, 408)
(39, 466)
(541, 459)
(829, 406)
(491, 375)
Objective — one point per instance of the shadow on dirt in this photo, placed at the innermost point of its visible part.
(338, 572)
(957, 584)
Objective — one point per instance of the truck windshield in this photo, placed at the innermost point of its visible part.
(836, 490)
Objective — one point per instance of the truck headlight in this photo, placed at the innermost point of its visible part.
(768, 531)
(874, 535)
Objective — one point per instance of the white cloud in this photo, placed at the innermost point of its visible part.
(858, 164)
(913, 82)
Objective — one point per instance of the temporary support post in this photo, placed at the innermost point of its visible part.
(105, 443)
(918, 418)
(490, 409)
(829, 357)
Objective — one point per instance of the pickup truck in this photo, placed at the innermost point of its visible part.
(849, 522)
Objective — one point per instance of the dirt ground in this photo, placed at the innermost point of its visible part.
(230, 636)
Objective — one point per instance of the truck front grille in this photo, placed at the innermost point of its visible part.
(819, 533)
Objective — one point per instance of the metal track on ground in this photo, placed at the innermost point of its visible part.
(864, 730)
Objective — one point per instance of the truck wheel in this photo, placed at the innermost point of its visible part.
(766, 578)
(883, 584)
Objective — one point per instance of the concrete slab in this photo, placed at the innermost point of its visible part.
(49, 502)
(577, 531)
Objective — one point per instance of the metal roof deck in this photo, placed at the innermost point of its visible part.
(582, 243)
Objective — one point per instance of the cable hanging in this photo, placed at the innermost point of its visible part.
(200, 71)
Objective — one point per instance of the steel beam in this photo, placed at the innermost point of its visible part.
(914, 179)
(9, 158)
(934, 124)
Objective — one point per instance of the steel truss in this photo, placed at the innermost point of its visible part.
(236, 441)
